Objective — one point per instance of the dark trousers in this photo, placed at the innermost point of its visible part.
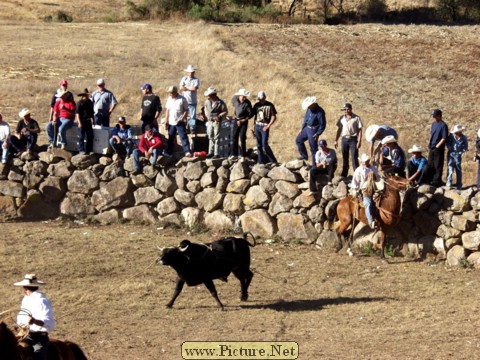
(316, 173)
(307, 133)
(39, 344)
(181, 129)
(85, 140)
(150, 122)
(262, 145)
(422, 177)
(25, 142)
(436, 160)
(240, 134)
(102, 119)
(349, 147)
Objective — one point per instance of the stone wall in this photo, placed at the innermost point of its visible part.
(228, 195)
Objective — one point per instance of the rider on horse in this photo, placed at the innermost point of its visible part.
(360, 182)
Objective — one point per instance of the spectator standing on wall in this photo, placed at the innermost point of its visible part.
(84, 115)
(104, 102)
(264, 116)
(189, 85)
(349, 128)
(436, 146)
(243, 112)
(151, 108)
(214, 112)
(457, 145)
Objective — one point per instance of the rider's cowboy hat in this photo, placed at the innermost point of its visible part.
(371, 132)
(457, 128)
(415, 149)
(389, 139)
(30, 280)
(309, 100)
(24, 112)
(243, 92)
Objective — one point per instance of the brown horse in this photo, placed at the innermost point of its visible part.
(388, 209)
(13, 349)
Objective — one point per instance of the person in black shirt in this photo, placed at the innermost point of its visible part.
(243, 112)
(84, 116)
(151, 108)
(26, 134)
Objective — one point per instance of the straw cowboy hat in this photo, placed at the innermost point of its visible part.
(190, 69)
(30, 280)
(389, 139)
(84, 93)
(371, 132)
(24, 112)
(211, 90)
(364, 158)
(172, 89)
(415, 149)
(243, 92)
(457, 128)
(309, 100)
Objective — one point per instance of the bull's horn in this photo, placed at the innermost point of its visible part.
(183, 249)
(160, 248)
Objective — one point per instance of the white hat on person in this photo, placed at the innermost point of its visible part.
(30, 280)
(190, 69)
(415, 149)
(371, 132)
(309, 100)
(389, 139)
(261, 95)
(243, 92)
(24, 112)
(211, 90)
(364, 157)
(100, 81)
(457, 128)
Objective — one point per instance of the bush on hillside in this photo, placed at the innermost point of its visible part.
(373, 10)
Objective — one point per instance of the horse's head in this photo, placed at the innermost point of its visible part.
(396, 182)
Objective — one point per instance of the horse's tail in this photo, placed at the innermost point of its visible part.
(332, 215)
(245, 236)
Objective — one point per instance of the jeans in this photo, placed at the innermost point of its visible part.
(192, 109)
(478, 175)
(307, 133)
(436, 159)
(213, 133)
(26, 141)
(454, 162)
(52, 131)
(180, 128)
(4, 150)
(315, 173)
(122, 148)
(240, 134)
(102, 119)
(86, 133)
(153, 158)
(65, 124)
(369, 208)
(262, 145)
(349, 147)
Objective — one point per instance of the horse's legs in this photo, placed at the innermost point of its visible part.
(382, 244)
(345, 222)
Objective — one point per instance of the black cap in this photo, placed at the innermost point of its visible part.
(347, 106)
(437, 112)
(148, 127)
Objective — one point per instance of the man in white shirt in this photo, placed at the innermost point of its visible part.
(36, 312)
(189, 85)
(4, 139)
(175, 119)
(359, 183)
(326, 164)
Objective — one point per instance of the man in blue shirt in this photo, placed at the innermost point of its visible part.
(417, 166)
(457, 145)
(436, 146)
(392, 157)
(121, 140)
(313, 126)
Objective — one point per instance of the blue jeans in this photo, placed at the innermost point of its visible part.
(192, 109)
(102, 119)
(182, 132)
(349, 147)
(454, 162)
(123, 148)
(307, 133)
(262, 145)
(136, 157)
(52, 131)
(478, 175)
(369, 208)
(4, 151)
(65, 124)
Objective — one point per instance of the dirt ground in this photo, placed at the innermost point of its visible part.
(109, 296)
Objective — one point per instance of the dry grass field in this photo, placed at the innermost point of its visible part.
(109, 297)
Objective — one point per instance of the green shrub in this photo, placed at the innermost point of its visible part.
(198, 12)
(374, 9)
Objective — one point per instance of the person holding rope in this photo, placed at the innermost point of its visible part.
(36, 312)
(360, 182)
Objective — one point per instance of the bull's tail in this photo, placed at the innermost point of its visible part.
(245, 237)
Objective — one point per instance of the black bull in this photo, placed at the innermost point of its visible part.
(202, 263)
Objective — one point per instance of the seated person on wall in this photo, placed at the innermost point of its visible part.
(4, 139)
(417, 166)
(151, 146)
(26, 133)
(121, 139)
(63, 119)
(326, 161)
(392, 157)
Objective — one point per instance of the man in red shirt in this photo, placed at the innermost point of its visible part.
(151, 146)
(63, 114)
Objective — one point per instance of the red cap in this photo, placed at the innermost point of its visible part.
(63, 82)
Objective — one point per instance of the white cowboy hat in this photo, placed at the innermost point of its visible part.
(364, 157)
(243, 92)
(24, 112)
(172, 89)
(371, 132)
(457, 128)
(389, 139)
(309, 100)
(415, 149)
(211, 90)
(30, 280)
(190, 69)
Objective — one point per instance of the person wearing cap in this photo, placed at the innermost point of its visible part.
(63, 85)
(436, 147)
(392, 157)
(214, 111)
(26, 133)
(314, 123)
(359, 184)
(63, 115)
(349, 127)
(457, 145)
(189, 84)
(175, 121)
(264, 116)
(150, 146)
(243, 112)
(151, 108)
(104, 102)
(121, 140)
(4, 139)
(84, 115)
(326, 164)
(37, 313)
(417, 166)
(377, 133)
